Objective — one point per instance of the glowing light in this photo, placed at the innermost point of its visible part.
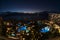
(27, 34)
(56, 26)
(45, 29)
(13, 34)
(27, 31)
(22, 28)
(8, 23)
(29, 28)
(59, 30)
(29, 11)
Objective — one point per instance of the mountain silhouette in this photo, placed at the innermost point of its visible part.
(19, 15)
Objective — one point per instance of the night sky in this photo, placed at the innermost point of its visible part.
(29, 5)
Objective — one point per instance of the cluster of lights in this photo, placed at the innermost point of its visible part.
(57, 27)
(45, 29)
(27, 29)
(7, 23)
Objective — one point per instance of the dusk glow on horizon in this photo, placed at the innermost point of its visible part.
(29, 5)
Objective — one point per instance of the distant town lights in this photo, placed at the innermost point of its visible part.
(28, 12)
